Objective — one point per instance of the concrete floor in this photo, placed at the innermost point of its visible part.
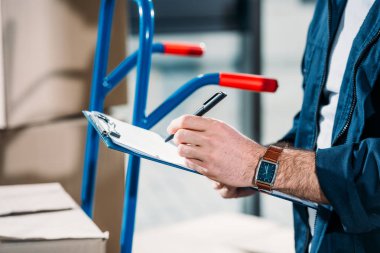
(221, 233)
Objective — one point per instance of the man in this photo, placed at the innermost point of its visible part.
(336, 136)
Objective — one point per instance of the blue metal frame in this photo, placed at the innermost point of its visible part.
(96, 102)
(102, 84)
(141, 93)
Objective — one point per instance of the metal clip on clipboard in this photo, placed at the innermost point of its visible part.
(111, 126)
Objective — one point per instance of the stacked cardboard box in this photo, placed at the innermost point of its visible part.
(54, 153)
(48, 52)
(44, 218)
(47, 49)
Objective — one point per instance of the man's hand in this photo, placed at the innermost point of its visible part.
(216, 150)
(229, 192)
(221, 153)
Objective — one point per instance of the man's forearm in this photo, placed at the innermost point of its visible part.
(297, 176)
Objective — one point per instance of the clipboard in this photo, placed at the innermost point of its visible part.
(121, 136)
(133, 140)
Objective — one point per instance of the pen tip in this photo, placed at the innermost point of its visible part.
(169, 138)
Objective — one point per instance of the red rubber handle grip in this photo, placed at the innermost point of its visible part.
(184, 49)
(248, 82)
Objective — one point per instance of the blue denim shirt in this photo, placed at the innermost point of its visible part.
(349, 171)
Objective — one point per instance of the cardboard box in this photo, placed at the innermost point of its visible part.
(54, 153)
(44, 218)
(48, 53)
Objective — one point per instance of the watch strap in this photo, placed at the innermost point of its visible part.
(272, 154)
(262, 186)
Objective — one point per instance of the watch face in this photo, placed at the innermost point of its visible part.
(266, 172)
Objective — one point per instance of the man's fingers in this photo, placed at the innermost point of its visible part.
(229, 192)
(196, 165)
(217, 185)
(190, 152)
(184, 136)
(192, 122)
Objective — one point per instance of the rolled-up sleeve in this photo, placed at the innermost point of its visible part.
(349, 176)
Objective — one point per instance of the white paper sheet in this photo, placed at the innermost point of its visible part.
(142, 141)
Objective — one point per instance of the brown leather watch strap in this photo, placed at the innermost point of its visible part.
(272, 154)
(262, 186)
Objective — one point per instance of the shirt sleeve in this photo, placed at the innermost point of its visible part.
(290, 136)
(349, 176)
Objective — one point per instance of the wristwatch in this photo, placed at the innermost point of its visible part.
(267, 169)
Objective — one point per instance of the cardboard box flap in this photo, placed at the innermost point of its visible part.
(23, 199)
(68, 224)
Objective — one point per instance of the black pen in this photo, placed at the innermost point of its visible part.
(207, 106)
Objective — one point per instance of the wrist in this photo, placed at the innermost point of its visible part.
(267, 169)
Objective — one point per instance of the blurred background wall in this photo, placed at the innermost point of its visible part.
(47, 62)
(252, 36)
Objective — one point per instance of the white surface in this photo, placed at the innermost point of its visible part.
(353, 17)
(68, 224)
(17, 199)
(221, 233)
